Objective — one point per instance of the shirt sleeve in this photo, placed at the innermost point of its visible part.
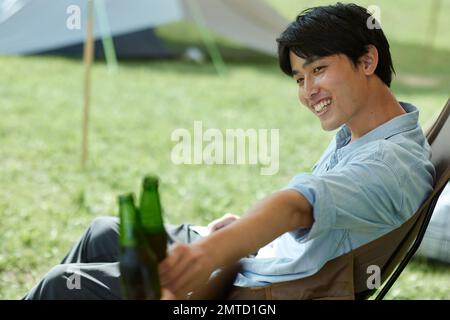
(362, 196)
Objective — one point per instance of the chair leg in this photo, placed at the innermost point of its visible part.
(410, 252)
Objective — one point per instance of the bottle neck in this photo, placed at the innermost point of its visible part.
(150, 211)
(128, 224)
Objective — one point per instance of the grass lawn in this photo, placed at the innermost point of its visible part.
(47, 200)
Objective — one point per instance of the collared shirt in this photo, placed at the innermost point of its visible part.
(359, 191)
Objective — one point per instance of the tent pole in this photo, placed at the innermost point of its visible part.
(108, 44)
(87, 57)
(432, 27)
(208, 40)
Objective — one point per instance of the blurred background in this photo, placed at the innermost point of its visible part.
(158, 66)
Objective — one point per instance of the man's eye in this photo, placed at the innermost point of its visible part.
(317, 69)
(300, 81)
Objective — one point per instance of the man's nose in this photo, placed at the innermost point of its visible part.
(310, 88)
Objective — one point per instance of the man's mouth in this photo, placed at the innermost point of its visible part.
(322, 106)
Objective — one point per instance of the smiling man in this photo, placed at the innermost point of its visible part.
(340, 91)
(372, 177)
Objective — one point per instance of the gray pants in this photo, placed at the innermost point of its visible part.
(91, 269)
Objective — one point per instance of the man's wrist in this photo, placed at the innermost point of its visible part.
(210, 255)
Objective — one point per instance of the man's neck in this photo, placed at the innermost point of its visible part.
(381, 107)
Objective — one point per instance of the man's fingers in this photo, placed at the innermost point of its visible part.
(188, 282)
(215, 226)
(222, 222)
(175, 255)
(166, 294)
(176, 271)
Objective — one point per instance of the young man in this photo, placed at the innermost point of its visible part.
(373, 176)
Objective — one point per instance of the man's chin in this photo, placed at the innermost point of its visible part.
(329, 126)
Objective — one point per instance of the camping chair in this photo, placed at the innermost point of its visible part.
(393, 251)
(438, 136)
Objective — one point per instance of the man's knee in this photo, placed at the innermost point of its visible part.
(105, 223)
(102, 240)
(105, 226)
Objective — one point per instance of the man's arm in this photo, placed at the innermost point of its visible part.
(189, 266)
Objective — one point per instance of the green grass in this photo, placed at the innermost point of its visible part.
(47, 200)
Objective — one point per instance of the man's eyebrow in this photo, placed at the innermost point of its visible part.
(311, 60)
(307, 62)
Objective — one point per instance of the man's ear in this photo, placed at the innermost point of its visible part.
(369, 61)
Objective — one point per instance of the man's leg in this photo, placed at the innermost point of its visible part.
(78, 281)
(95, 259)
(99, 243)
(181, 234)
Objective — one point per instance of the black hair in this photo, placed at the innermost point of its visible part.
(335, 29)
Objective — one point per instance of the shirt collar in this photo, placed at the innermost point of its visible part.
(399, 124)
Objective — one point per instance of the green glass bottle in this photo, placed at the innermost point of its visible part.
(138, 265)
(151, 219)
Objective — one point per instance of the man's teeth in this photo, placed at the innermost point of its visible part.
(322, 105)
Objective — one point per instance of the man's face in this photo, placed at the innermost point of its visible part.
(331, 87)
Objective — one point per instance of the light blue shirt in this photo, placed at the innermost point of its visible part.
(359, 191)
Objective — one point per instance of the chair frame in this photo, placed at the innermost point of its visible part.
(432, 133)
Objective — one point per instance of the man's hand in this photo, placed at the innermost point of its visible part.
(166, 294)
(222, 222)
(186, 268)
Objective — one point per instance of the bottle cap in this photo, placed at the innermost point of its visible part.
(126, 198)
(150, 181)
